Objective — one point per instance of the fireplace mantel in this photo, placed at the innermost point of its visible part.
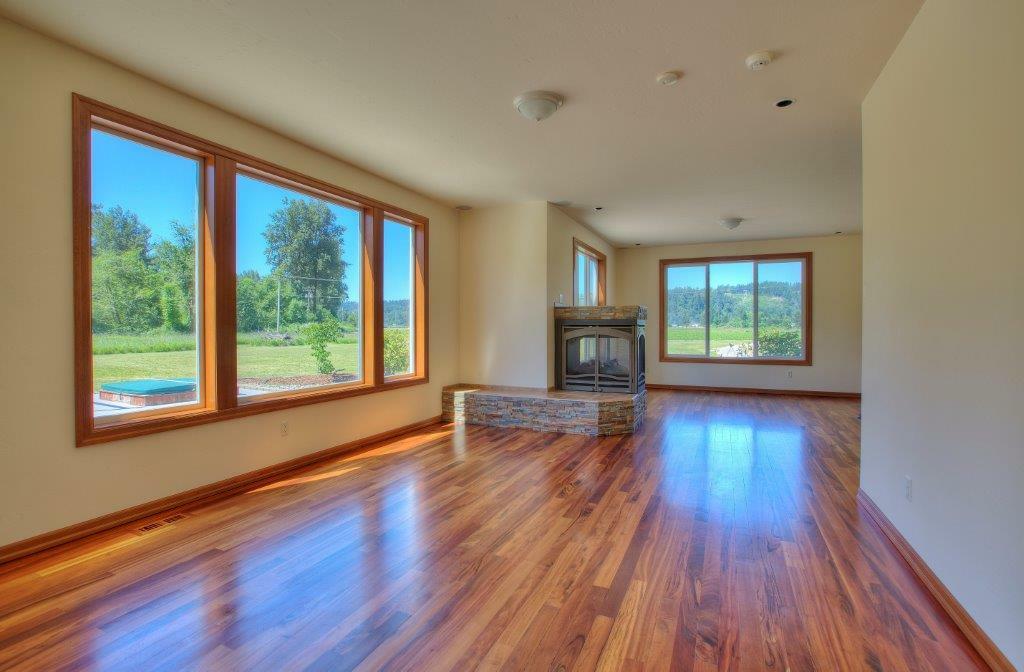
(634, 313)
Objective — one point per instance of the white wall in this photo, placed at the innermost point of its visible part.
(502, 319)
(836, 307)
(47, 482)
(561, 230)
(944, 303)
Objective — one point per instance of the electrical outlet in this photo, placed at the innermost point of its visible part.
(284, 428)
(908, 488)
(789, 374)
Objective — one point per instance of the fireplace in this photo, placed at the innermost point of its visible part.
(600, 348)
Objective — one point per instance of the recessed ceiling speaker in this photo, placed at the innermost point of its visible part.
(759, 60)
(538, 105)
(730, 222)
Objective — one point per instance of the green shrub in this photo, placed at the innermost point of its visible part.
(318, 335)
(775, 342)
(396, 350)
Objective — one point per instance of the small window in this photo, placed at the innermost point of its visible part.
(146, 305)
(588, 275)
(399, 299)
(297, 289)
(737, 309)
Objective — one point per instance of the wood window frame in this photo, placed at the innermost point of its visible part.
(217, 384)
(807, 283)
(578, 246)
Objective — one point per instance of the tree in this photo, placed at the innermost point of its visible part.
(125, 293)
(304, 244)
(173, 310)
(175, 261)
(118, 230)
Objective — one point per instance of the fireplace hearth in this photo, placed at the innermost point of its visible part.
(600, 348)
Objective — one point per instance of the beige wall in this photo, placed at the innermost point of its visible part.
(561, 230)
(836, 308)
(502, 263)
(47, 482)
(944, 303)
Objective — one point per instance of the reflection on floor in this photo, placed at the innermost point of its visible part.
(723, 535)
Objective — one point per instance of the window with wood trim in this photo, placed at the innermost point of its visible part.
(210, 284)
(588, 273)
(742, 310)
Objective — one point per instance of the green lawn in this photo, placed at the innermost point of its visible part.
(690, 340)
(253, 362)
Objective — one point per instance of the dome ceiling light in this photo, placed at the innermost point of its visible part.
(537, 105)
(730, 222)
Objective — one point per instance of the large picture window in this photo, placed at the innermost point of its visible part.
(750, 310)
(211, 284)
(297, 290)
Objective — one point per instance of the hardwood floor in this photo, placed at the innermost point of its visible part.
(724, 535)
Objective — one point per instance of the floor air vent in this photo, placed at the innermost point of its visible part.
(157, 524)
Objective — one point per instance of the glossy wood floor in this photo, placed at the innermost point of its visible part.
(725, 535)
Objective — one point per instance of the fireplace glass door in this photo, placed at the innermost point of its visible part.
(598, 359)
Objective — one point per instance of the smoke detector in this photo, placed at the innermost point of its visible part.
(759, 60)
(537, 105)
(730, 222)
(668, 78)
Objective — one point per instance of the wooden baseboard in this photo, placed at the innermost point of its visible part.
(203, 494)
(985, 647)
(754, 390)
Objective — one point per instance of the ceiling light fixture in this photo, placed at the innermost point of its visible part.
(668, 78)
(785, 102)
(537, 105)
(599, 208)
(759, 60)
(730, 222)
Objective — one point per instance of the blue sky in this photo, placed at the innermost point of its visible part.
(161, 187)
(740, 273)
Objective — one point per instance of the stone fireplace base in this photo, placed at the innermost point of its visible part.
(592, 413)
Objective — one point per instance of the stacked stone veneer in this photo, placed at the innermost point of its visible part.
(590, 413)
(637, 313)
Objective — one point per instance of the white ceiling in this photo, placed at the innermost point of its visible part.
(420, 91)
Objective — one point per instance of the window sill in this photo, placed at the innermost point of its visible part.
(202, 416)
(679, 359)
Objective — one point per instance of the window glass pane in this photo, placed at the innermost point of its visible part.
(581, 279)
(145, 312)
(298, 290)
(592, 281)
(685, 310)
(780, 309)
(399, 323)
(732, 309)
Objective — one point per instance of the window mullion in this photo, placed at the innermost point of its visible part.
(221, 311)
(377, 296)
(707, 310)
(756, 316)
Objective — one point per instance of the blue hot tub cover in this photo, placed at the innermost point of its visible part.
(151, 386)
